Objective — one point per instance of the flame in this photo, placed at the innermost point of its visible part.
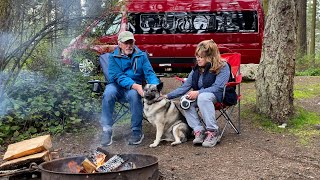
(100, 157)
(74, 167)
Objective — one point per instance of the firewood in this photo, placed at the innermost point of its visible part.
(24, 161)
(88, 166)
(54, 155)
(28, 147)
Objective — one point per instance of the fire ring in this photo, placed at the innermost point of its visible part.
(146, 168)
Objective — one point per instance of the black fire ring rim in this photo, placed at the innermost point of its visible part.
(155, 163)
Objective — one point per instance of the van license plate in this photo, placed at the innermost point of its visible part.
(162, 65)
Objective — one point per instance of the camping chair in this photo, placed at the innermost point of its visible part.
(226, 111)
(121, 108)
(234, 60)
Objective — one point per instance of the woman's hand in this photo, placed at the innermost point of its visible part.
(193, 95)
(162, 97)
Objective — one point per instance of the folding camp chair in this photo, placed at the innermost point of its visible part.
(226, 111)
(122, 108)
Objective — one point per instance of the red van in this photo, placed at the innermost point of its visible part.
(169, 31)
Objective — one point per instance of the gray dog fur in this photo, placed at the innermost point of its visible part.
(165, 116)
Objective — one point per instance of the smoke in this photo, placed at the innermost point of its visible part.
(7, 44)
(3, 99)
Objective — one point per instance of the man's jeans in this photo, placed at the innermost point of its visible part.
(112, 93)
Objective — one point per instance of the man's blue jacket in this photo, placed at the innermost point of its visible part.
(126, 71)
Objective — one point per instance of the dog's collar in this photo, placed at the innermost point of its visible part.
(155, 100)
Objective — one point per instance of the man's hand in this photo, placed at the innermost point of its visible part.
(193, 95)
(138, 88)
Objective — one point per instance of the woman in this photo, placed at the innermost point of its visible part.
(207, 81)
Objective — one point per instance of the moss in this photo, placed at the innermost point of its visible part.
(301, 125)
(306, 91)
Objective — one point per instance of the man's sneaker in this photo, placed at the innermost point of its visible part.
(211, 139)
(136, 138)
(106, 138)
(198, 137)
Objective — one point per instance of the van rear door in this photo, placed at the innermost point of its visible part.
(234, 26)
(153, 28)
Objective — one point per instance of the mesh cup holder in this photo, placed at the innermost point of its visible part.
(96, 86)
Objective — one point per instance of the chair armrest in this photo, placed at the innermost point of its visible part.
(97, 81)
(238, 81)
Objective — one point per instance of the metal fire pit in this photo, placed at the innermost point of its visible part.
(146, 168)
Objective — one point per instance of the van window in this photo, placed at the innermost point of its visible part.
(151, 23)
(239, 21)
(183, 22)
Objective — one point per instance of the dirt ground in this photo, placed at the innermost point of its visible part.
(253, 154)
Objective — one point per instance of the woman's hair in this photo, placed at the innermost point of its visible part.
(209, 50)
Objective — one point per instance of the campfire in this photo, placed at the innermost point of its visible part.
(101, 162)
(100, 165)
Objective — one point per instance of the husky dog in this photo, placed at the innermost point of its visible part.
(165, 116)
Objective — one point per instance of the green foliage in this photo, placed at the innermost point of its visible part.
(309, 72)
(305, 67)
(37, 106)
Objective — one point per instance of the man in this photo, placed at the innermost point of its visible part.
(128, 68)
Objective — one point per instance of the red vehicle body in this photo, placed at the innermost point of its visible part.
(169, 30)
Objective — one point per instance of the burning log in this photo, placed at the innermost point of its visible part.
(112, 164)
(88, 166)
(127, 166)
(99, 159)
(100, 163)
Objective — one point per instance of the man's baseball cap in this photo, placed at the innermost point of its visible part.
(125, 36)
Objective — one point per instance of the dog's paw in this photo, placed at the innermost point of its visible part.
(153, 145)
(175, 143)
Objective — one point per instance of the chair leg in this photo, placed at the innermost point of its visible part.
(117, 116)
(228, 119)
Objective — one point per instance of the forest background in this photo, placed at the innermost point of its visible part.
(38, 95)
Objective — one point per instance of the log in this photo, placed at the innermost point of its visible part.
(28, 147)
(88, 166)
(24, 161)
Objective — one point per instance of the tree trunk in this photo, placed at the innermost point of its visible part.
(313, 32)
(302, 28)
(5, 14)
(275, 76)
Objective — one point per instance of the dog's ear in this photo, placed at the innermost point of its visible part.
(160, 86)
(144, 85)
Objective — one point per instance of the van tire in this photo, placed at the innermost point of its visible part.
(87, 66)
(86, 63)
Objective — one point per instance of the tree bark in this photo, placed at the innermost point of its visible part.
(313, 32)
(5, 14)
(302, 28)
(275, 76)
